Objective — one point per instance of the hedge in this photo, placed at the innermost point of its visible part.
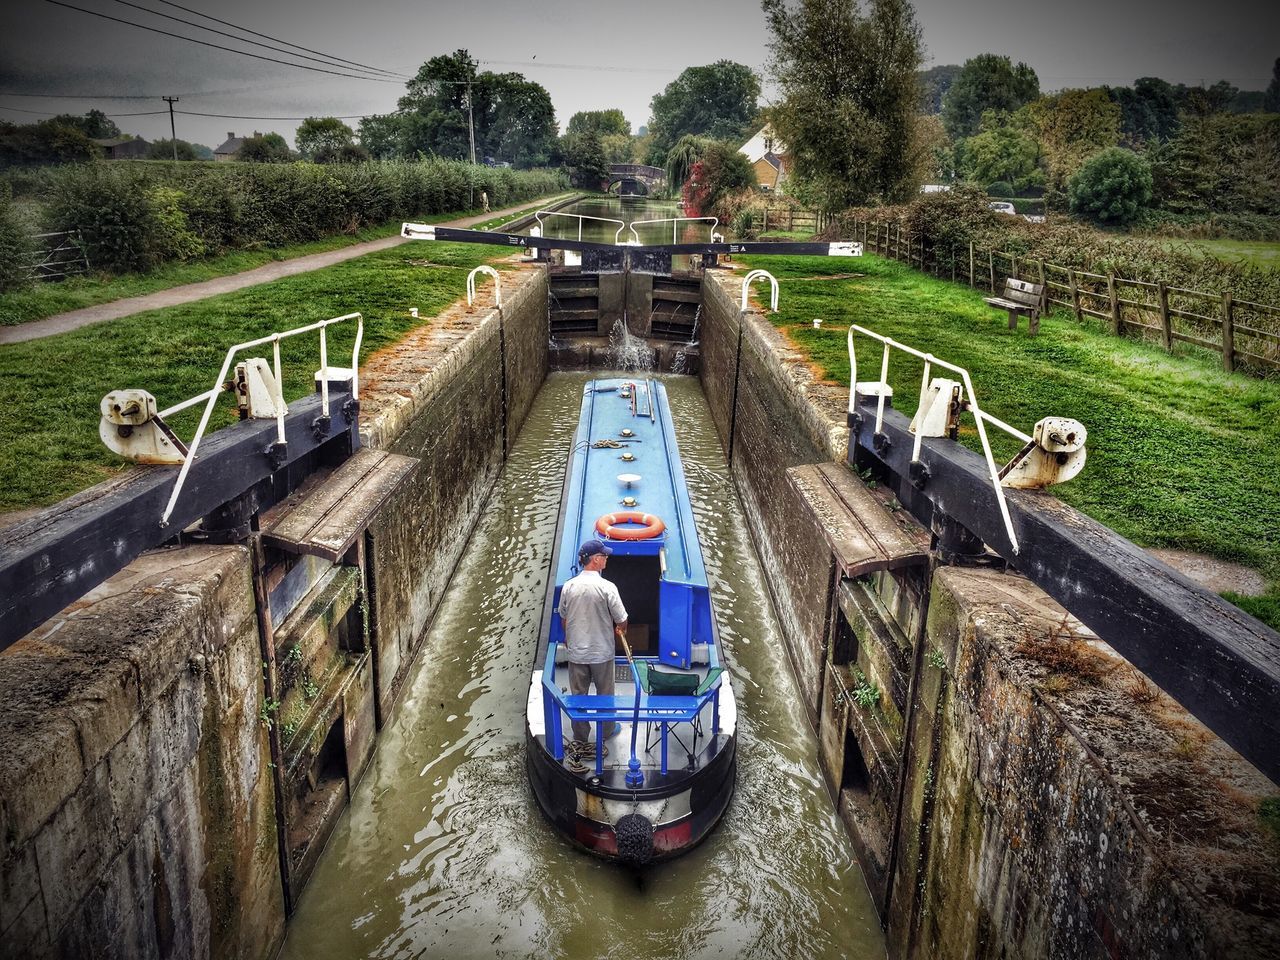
(133, 216)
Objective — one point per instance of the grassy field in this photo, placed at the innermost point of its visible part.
(1180, 454)
(1263, 253)
(50, 388)
(47, 299)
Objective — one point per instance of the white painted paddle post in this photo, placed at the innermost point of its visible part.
(471, 284)
(755, 275)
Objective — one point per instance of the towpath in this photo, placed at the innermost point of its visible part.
(190, 292)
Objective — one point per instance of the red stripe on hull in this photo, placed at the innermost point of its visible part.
(667, 840)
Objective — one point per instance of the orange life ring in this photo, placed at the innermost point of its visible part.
(610, 526)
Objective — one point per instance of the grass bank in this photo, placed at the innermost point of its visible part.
(1180, 454)
(48, 299)
(50, 388)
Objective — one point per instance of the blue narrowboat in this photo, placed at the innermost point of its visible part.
(657, 786)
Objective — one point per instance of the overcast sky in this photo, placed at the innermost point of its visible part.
(588, 55)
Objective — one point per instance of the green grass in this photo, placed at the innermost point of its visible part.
(47, 299)
(1180, 453)
(1263, 253)
(50, 388)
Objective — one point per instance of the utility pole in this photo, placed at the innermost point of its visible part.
(173, 133)
(471, 127)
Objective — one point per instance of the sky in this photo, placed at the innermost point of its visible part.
(589, 56)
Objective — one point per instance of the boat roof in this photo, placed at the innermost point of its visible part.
(596, 486)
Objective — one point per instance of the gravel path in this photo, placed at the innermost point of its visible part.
(188, 293)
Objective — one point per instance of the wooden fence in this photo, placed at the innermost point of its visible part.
(789, 218)
(1158, 312)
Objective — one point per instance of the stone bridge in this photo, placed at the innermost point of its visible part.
(635, 179)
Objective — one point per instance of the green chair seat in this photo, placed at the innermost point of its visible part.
(658, 682)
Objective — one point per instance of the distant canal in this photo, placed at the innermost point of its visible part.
(595, 212)
(443, 851)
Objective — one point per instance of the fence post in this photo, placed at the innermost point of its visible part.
(991, 265)
(971, 280)
(765, 227)
(1044, 288)
(1115, 304)
(1166, 326)
(1228, 333)
(953, 263)
(1075, 292)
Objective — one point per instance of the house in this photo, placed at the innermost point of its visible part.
(232, 146)
(768, 157)
(124, 148)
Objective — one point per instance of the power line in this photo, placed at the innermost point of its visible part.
(223, 33)
(218, 46)
(39, 113)
(264, 36)
(576, 66)
(236, 116)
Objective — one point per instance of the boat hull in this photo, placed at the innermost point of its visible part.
(682, 812)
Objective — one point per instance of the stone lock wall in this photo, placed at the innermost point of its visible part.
(137, 815)
(1012, 787)
(138, 808)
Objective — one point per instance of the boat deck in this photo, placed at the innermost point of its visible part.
(686, 740)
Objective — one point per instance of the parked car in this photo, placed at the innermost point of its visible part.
(1003, 206)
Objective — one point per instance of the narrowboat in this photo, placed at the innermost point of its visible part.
(658, 770)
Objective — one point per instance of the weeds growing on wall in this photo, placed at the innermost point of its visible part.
(136, 216)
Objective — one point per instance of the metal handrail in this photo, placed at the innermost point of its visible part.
(979, 416)
(755, 275)
(675, 225)
(579, 217)
(211, 396)
(471, 283)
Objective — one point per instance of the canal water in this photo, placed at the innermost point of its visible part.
(443, 851)
(602, 219)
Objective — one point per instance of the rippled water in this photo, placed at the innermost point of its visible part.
(443, 851)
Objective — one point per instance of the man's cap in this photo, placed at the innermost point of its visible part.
(591, 548)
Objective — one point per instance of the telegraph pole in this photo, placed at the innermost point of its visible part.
(173, 133)
(471, 127)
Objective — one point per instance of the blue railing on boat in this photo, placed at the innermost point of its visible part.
(601, 710)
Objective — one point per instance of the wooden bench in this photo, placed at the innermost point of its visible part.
(1020, 297)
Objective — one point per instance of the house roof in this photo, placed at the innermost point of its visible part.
(232, 145)
(762, 145)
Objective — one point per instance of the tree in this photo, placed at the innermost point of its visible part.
(383, 136)
(1072, 126)
(687, 151)
(44, 143)
(164, 150)
(1111, 188)
(513, 117)
(264, 148)
(723, 170)
(584, 156)
(321, 139)
(517, 122)
(986, 82)
(847, 76)
(1000, 152)
(1148, 110)
(603, 122)
(1272, 101)
(95, 124)
(718, 101)
(934, 84)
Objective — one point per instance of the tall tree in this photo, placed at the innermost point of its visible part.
(847, 74)
(1072, 126)
(986, 82)
(1272, 102)
(934, 84)
(603, 122)
(719, 101)
(95, 124)
(513, 117)
(1148, 110)
(323, 139)
(383, 135)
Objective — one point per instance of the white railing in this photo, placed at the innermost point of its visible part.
(210, 396)
(471, 284)
(980, 418)
(580, 217)
(675, 226)
(755, 275)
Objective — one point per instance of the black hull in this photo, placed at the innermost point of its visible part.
(708, 791)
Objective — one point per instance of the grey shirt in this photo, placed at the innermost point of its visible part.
(590, 606)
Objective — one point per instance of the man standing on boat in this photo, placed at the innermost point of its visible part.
(591, 613)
